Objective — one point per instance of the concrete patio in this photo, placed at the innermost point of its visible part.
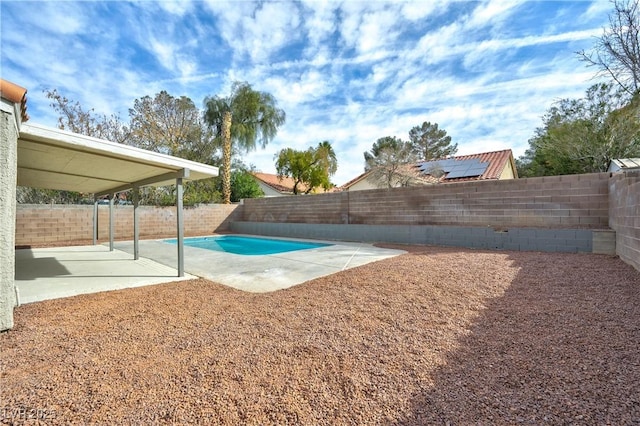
(50, 273)
(264, 273)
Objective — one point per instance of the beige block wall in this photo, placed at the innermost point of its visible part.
(575, 201)
(42, 224)
(593, 201)
(624, 215)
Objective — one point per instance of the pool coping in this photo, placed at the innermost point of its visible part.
(263, 273)
(303, 244)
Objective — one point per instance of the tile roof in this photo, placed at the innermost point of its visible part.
(16, 94)
(284, 185)
(497, 161)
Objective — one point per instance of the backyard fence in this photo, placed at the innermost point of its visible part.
(572, 201)
(596, 212)
(624, 215)
(46, 223)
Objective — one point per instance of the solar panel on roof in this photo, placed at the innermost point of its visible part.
(456, 168)
(454, 174)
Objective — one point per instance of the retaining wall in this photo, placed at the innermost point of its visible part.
(537, 239)
(45, 223)
(624, 215)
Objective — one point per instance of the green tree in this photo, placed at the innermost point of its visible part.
(431, 143)
(616, 53)
(243, 186)
(584, 135)
(242, 118)
(391, 162)
(327, 158)
(26, 195)
(310, 169)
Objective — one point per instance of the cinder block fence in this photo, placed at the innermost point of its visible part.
(559, 213)
(597, 212)
(624, 215)
(45, 223)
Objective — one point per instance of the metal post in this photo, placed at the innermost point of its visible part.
(136, 228)
(111, 221)
(180, 227)
(95, 220)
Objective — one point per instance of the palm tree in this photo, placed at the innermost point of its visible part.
(244, 117)
(327, 157)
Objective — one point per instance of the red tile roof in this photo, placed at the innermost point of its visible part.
(497, 160)
(284, 185)
(16, 94)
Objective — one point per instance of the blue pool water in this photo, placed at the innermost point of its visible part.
(248, 246)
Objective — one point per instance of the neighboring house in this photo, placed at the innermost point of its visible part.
(623, 164)
(273, 186)
(496, 165)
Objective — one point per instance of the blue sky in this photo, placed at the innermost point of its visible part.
(347, 72)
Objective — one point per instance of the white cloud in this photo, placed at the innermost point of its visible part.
(419, 10)
(176, 7)
(595, 11)
(170, 56)
(348, 72)
(492, 12)
(319, 24)
(257, 32)
(58, 18)
(310, 86)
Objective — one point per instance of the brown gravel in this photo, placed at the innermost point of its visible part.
(436, 336)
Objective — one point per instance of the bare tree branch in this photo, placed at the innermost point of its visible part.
(616, 53)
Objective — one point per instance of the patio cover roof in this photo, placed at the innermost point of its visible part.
(55, 159)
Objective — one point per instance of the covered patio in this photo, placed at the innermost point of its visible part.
(57, 272)
(38, 156)
(51, 158)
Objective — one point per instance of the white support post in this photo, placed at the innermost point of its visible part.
(136, 228)
(95, 220)
(111, 221)
(180, 227)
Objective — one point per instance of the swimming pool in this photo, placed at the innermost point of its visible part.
(248, 246)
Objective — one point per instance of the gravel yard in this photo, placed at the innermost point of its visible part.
(435, 336)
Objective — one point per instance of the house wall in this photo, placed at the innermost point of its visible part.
(624, 215)
(8, 176)
(362, 185)
(269, 191)
(45, 223)
(508, 172)
(573, 201)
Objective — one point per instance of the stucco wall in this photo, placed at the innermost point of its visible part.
(43, 223)
(8, 170)
(624, 215)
